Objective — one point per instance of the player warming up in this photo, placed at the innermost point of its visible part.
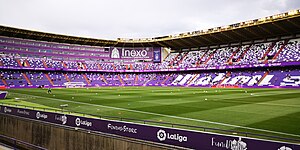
(49, 91)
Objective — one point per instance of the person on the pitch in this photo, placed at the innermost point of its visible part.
(49, 90)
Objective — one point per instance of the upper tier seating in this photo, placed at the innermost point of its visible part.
(291, 52)
(21, 53)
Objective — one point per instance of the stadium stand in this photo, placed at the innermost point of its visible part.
(262, 53)
(196, 58)
(50, 67)
(246, 54)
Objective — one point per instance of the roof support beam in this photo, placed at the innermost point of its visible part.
(151, 45)
(294, 23)
(228, 36)
(281, 28)
(190, 43)
(198, 43)
(161, 44)
(205, 39)
(240, 35)
(252, 32)
(177, 41)
(264, 29)
(215, 37)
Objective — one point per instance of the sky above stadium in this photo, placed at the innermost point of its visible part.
(111, 19)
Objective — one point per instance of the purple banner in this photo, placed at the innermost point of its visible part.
(131, 53)
(181, 138)
(156, 54)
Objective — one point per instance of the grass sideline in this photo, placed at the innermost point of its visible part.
(272, 112)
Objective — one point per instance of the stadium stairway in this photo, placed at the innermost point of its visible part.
(233, 54)
(66, 76)
(131, 67)
(103, 78)
(84, 66)
(27, 63)
(225, 77)
(211, 55)
(172, 62)
(86, 79)
(49, 79)
(19, 62)
(64, 64)
(136, 79)
(146, 82)
(122, 82)
(262, 78)
(164, 81)
(192, 79)
(280, 50)
(267, 52)
(181, 79)
(44, 64)
(243, 54)
(99, 67)
(180, 61)
(4, 82)
(199, 61)
(115, 69)
(26, 78)
(186, 79)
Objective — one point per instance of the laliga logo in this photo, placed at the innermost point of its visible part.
(79, 122)
(163, 135)
(284, 148)
(7, 110)
(39, 115)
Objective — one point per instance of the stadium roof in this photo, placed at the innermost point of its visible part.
(276, 26)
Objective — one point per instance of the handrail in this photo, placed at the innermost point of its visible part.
(16, 143)
(148, 122)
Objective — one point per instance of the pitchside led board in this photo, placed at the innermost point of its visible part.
(145, 53)
(171, 136)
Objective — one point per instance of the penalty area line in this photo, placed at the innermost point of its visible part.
(168, 116)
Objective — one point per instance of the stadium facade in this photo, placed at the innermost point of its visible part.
(263, 52)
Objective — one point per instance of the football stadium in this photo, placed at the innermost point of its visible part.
(234, 87)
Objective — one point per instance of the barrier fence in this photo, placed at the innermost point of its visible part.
(165, 135)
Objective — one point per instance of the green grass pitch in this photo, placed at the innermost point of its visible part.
(274, 112)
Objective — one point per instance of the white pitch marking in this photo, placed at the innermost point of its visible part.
(177, 117)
